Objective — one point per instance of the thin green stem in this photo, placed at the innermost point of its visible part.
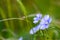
(25, 12)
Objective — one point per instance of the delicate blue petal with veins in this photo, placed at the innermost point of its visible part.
(50, 19)
(37, 18)
(45, 22)
(35, 22)
(35, 29)
(46, 17)
(42, 27)
(39, 15)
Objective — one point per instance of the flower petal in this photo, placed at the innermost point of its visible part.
(45, 22)
(35, 22)
(39, 15)
(37, 18)
(35, 29)
(42, 27)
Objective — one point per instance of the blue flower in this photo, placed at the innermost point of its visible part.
(45, 22)
(37, 18)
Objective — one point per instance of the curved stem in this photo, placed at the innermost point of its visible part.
(18, 18)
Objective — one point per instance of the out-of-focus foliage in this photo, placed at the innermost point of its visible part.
(15, 28)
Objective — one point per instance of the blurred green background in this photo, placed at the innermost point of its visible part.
(14, 29)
